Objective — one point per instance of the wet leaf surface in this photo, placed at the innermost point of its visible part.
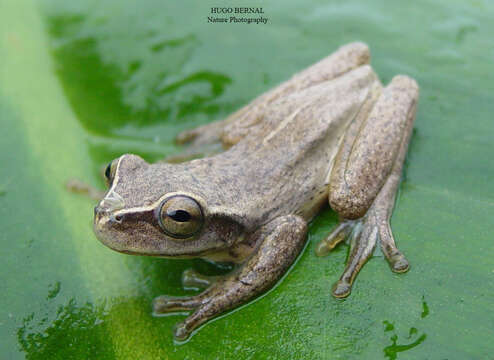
(83, 82)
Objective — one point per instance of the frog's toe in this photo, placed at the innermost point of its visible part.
(341, 289)
(399, 264)
(180, 332)
(202, 314)
(165, 304)
(191, 279)
(362, 244)
(339, 234)
(186, 136)
(397, 261)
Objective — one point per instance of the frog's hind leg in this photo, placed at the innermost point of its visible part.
(365, 179)
(231, 130)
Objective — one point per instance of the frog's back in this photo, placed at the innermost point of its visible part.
(281, 164)
(290, 152)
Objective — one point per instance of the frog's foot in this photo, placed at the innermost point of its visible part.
(336, 236)
(363, 234)
(79, 187)
(167, 304)
(279, 243)
(192, 280)
(202, 135)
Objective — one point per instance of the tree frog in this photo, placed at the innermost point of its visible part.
(332, 133)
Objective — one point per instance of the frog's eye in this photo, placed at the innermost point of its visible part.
(180, 216)
(110, 172)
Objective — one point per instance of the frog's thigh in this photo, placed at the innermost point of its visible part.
(248, 119)
(280, 241)
(366, 159)
(343, 60)
(236, 126)
(231, 130)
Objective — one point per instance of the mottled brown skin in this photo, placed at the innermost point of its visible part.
(331, 132)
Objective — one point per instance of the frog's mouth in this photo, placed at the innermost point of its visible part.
(172, 256)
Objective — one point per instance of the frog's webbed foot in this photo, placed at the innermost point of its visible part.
(279, 241)
(363, 234)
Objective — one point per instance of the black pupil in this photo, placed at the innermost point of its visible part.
(179, 215)
(108, 171)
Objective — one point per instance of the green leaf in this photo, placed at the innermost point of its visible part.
(83, 82)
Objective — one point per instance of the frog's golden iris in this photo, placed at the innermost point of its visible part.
(332, 133)
(180, 216)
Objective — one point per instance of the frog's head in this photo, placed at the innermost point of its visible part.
(157, 210)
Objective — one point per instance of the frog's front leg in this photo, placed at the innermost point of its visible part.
(280, 241)
(365, 179)
(192, 279)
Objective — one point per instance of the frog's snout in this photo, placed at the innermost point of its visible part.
(100, 212)
(110, 203)
(105, 220)
(105, 210)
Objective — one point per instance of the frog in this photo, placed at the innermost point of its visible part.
(331, 134)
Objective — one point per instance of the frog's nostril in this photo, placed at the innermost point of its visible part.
(112, 202)
(98, 212)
